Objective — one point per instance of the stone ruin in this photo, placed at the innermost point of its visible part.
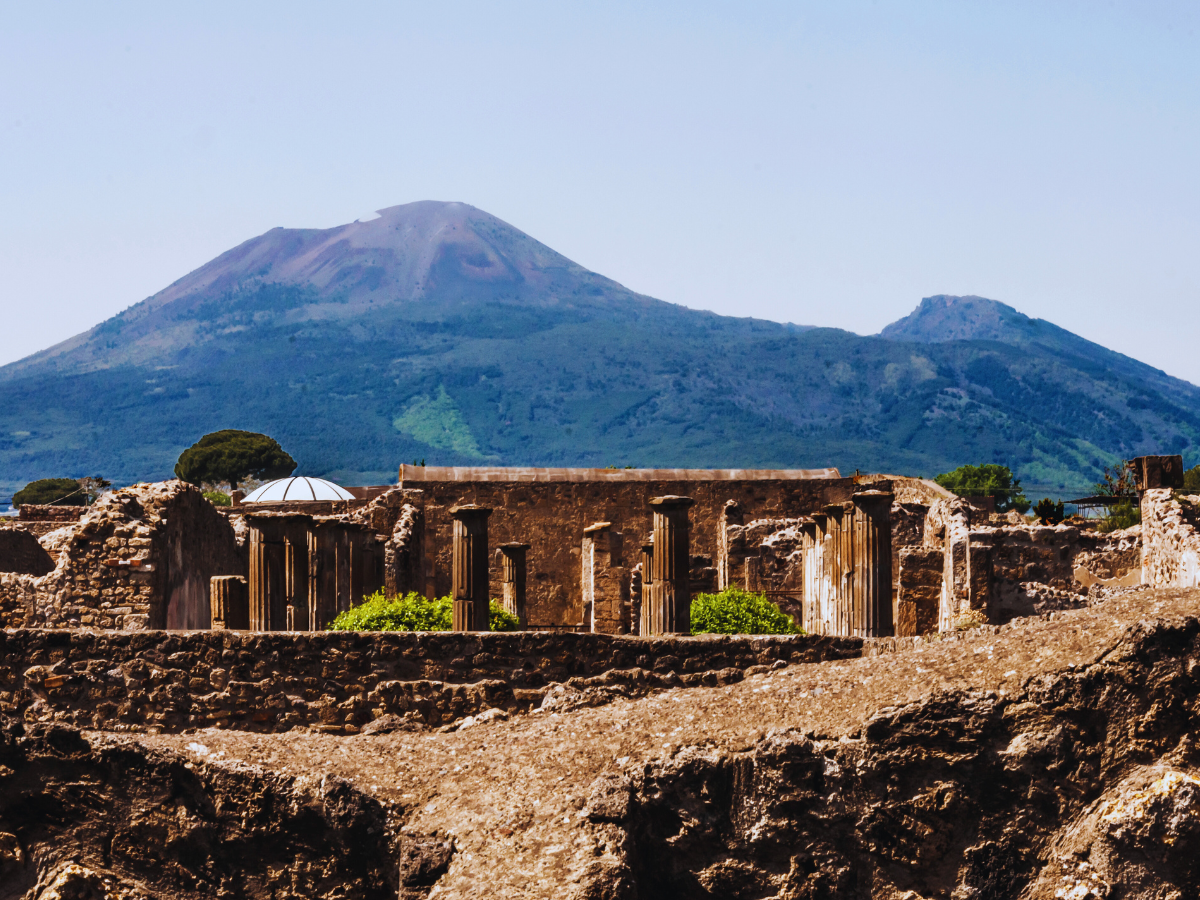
(141, 557)
(579, 550)
(1034, 749)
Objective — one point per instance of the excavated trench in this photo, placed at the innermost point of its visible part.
(968, 795)
(1055, 759)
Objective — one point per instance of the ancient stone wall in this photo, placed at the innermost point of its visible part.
(549, 509)
(140, 557)
(605, 577)
(918, 590)
(197, 543)
(1024, 558)
(340, 681)
(1170, 542)
(41, 519)
(995, 573)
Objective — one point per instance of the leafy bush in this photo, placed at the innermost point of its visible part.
(57, 491)
(1120, 515)
(739, 612)
(1049, 512)
(500, 619)
(412, 612)
(217, 498)
(988, 480)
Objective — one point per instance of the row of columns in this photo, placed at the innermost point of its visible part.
(847, 588)
(665, 572)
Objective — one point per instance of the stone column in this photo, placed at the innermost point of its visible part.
(469, 568)
(811, 543)
(670, 588)
(604, 580)
(230, 602)
(871, 591)
(512, 578)
(295, 569)
(640, 593)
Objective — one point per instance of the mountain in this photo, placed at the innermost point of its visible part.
(438, 332)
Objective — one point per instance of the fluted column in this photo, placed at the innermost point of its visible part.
(646, 559)
(512, 579)
(872, 614)
(670, 588)
(469, 568)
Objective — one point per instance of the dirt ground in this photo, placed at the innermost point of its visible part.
(511, 794)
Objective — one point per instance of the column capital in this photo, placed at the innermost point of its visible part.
(466, 511)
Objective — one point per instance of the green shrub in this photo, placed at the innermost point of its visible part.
(739, 612)
(501, 619)
(1120, 515)
(412, 612)
(217, 498)
(1049, 512)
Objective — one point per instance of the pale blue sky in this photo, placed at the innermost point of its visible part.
(819, 163)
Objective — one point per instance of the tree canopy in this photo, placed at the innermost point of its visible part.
(56, 491)
(987, 480)
(1191, 480)
(231, 456)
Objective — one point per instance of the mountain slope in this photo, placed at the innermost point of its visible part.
(439, 332)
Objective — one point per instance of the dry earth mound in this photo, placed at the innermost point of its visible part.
(1053, 757)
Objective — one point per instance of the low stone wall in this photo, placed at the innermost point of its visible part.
(340, 681)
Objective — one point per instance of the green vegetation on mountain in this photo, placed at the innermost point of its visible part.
(438, 332)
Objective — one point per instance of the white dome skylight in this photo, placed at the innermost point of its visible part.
(297, 490)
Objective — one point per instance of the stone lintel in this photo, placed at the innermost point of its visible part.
(880, 497)
(672, 501)
(599, 526)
